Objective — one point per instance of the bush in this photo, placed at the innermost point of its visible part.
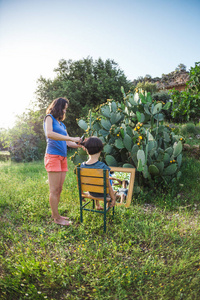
(190, 128)
(25, 148)
(135, 136)
(4, 155)
(186, 104)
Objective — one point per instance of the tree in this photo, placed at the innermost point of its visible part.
(186, 104)
(181, 67)
(86, 83)
(147, 86)
(26, 141)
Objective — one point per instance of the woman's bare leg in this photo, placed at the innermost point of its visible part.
(56, 180)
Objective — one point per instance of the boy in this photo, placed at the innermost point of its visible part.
(93, 147)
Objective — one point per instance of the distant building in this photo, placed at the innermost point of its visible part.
(176, 79)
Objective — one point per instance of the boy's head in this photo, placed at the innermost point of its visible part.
(93, 145)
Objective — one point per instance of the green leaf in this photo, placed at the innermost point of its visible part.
(115, 118)
(141, 156)
(177, 149)
(135, 149)
(111, 161)
(166, 158)
(169, 150)
(113, 106)
(122, 90)
(129, 131)
(128, 166)
(127, 142)
(179, 160)
(145, 172)
(142, 98)
(170, 170)
(167, 106)
(78, 159)
(105, 124)
(131, 100)
(151, 145)
(146, 109)
(138, 114)
(160, 165)
(96, 126)
(82, 124)
(166, 137)
(107, 148)
(157, 108)
(149, 98)
(153, 170)
(142, 118)
(105, 111)
(159, 117)
(103, 132)
(119, 144)
(140, 166)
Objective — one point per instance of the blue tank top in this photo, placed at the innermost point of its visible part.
(56, 147)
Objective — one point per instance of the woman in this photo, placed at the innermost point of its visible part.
(56, 153)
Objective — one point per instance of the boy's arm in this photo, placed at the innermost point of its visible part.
(112, 195)
(115, 179)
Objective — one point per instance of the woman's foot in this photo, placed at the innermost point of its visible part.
(62, 221)
(66, 218)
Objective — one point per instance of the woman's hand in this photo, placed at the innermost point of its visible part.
(76, 139)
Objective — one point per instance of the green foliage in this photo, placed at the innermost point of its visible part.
(164, 97)
(86, 83)
(151, 250)
(146, 86)
(4, 155)
(26, 139)
(186, 104)
(190, 128)
(138, 137)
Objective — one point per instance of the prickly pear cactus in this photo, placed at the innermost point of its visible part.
(134, 135)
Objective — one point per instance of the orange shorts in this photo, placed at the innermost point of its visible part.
(55, 163)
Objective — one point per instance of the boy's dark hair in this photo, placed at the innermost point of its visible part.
(93, 145)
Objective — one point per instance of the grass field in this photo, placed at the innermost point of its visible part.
(150, 250)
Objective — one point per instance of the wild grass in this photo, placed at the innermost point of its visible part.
(150, 250)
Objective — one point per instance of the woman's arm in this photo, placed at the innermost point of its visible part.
(57, 136)
(73, 145)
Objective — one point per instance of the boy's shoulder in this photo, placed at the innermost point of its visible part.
(96, 165)
(102, 165)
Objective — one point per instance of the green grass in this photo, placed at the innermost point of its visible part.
(150, 251)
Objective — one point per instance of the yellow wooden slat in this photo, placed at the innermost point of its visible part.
(92, 180)
(93, 188)
(92, 172)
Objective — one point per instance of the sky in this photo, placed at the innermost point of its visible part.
(143, 37)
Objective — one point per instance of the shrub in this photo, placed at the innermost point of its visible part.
(190, 128)
(4, 155)
(186, 104)
(25, 148)
(134, 136)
